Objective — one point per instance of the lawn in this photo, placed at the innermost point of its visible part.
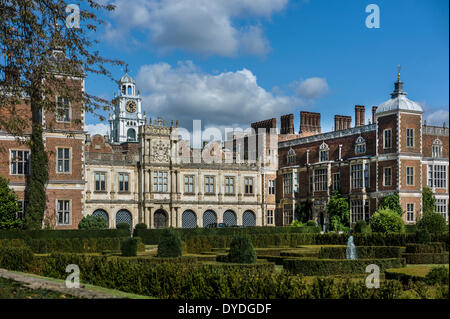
(10, 289)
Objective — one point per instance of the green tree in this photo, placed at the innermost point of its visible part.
(432, 222)
(9, 207)
(428, 201)
(338, 211)
(241, 250)
(386, 220)
(392, 202)
(91, 222)
(39, 50)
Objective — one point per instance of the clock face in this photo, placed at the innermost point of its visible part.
(131, 106)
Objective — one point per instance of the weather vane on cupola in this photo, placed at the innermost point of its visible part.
(398, 74)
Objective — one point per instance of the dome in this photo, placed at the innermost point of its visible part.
(398, 100)
(126, 79)
(401, 102)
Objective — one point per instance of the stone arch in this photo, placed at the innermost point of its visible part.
(124, 216)
(188, 219)
(103, 214)
(248, 219)
(229, 218)
(160, 219)
(209, 217)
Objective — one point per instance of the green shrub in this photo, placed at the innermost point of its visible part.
(362, 252)
(386, 220)
(426, 258)
(91, 222)
(70, 233)
(438, 275)
(423, 235)
(170, 244)
(433, 223)
(361, 227)
(140, 226)
(129, 247)
(241, 251)
(16, 258)
(123, 226)
(425, 248)
(311, 223)
(328, 267)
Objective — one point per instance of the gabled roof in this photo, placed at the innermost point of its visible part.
(126, 79)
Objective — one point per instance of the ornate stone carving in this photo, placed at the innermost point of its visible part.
(160, 152)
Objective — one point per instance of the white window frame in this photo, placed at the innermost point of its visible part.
(229, 185)
(270, 217)
(356, 174)
(410, 138)
(287, 183)
(209, 184)
(124, 182)
(442, 207)
(271, 187)
(160, 181)
(409, 175)
(100, 181)
(64, 211)
(65, 106)
(24, 162)
(436, 148)
(63, 160)
(384, 176)
(320, 179)
(189, 184)
(336, 181)
(356, 210)
(248, 185)
(437, 176)
(410, 214)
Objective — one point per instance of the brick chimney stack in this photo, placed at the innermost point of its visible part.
(309, 123)
(287, 124)
(342, 122)
(374, 115)
(359, 115)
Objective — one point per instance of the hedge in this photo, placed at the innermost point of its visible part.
(197, 244)
(199, 281)
(69, 245)
(404, 278)
(72, 233)
(327, 267)
(427, 258)
(361, 252)
(152, 236)
(425, 248)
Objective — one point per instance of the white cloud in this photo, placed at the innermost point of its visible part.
(202, 26)
(312, 88)
(226, 99)
(437, 117)
(99, 128)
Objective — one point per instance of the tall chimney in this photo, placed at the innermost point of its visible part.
(374, 114)
(342, 122)
(359, 115)
(287, 124)
(309, 123)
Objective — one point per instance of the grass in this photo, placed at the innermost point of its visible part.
(10, 289)
(112, 292)
(416, 270)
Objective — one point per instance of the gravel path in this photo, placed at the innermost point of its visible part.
(40, 283)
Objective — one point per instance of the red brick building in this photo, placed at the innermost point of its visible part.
(394, 154)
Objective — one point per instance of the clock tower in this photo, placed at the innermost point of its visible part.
(127, 115)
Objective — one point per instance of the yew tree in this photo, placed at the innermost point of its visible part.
(41, 48)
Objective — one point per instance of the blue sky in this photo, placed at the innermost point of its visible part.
(229, 63)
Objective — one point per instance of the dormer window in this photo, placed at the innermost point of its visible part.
(360, 145)
(437, 148)
(323, 152)
(291, 156)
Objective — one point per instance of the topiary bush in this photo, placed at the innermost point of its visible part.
(433, 223)
(386, 220)
(438, 275)
(361, 227)
(129, 247)
(138, 227)
(91, 222)
(170, 244)
(241, 251)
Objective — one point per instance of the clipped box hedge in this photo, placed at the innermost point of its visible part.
(427, 258)
(362, 252)
(152, 236)
(425, 248)
(327, 267)
(69, 233)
